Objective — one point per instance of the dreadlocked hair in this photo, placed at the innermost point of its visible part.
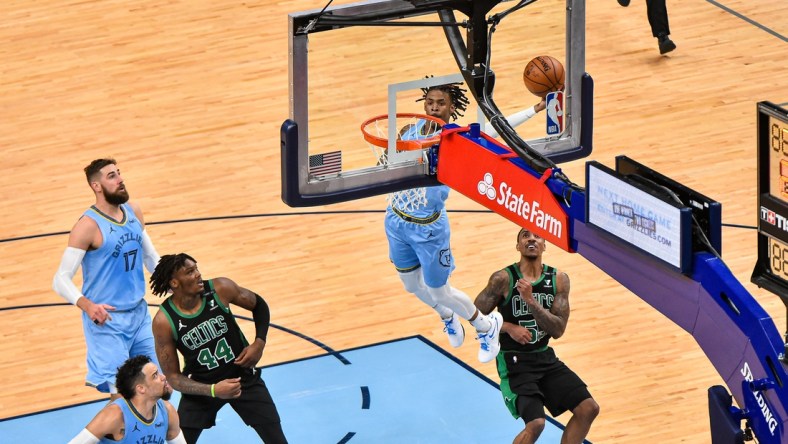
(168, 265)
(457, 95)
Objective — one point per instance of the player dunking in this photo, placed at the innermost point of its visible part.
(418, 233)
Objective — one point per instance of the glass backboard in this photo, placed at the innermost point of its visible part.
(351, 62)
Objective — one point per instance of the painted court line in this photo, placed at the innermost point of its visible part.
(403, 391)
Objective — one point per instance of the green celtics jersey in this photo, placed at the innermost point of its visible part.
(514, 309)
(209, 339)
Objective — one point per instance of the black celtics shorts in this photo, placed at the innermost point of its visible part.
(254, 406)
(540, 376)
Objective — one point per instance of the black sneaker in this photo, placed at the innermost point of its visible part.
(665, 44)
(623, 3)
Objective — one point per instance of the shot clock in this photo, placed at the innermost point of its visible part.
(771, 270)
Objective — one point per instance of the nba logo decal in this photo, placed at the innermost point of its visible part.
(554, 103)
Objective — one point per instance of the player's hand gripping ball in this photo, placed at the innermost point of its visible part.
(544, 74)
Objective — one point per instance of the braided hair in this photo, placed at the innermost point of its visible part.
(457, 95)
(168, 265)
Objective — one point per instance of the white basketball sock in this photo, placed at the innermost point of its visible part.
(482, 323)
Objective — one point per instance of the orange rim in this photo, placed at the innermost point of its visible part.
(402, 145)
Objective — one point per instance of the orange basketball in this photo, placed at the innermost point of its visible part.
(543, 74)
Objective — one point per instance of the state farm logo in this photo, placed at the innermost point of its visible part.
(530, 211)
(486, 186)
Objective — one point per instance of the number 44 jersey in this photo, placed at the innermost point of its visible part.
(209, 339)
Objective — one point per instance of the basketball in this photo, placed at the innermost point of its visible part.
(543, 74)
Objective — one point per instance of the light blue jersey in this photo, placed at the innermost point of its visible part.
(141, 430)
(112, 274)
(436, 196)
(419, 237)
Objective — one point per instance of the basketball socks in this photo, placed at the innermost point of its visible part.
(481, 323)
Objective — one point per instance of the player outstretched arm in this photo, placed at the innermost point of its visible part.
(231, 293)
(517, 118)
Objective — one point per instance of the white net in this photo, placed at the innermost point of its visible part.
(412, 127)
(408, 200)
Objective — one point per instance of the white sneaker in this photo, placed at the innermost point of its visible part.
(489, 345)
(454, 330)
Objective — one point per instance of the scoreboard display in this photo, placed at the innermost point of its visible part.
(771, 270)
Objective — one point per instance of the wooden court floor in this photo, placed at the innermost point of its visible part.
(189, 97)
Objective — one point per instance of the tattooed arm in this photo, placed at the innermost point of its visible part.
(553, 322)
(493, 293)
(168, 359)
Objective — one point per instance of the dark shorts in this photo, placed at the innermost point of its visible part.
(532, 381)
(254, 406)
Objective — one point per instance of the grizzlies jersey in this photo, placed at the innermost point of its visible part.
(138, 429)
(436, 203)
(112, 274)
(417, 130)
(209, 340)
(514, 309)
(436, 196)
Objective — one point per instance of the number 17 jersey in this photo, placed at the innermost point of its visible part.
(112, 273)
(209, 339)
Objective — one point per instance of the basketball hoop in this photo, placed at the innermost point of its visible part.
(414, 132)
(376, 131)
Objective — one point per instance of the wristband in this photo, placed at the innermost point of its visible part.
(213, 390)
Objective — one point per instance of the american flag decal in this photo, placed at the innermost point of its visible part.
(326, 163)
